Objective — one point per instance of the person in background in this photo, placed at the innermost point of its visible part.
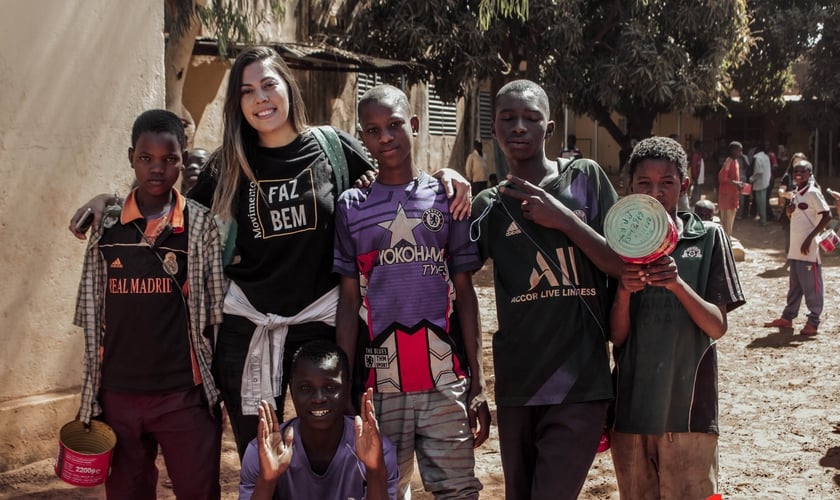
(760, 180)
(774, 175)
(729, 189)
(809, 215)
(664, 439)
(786, 185)
(705, 209)
(476, 169)
(746, 205)
(196, 159)
(697, 167)
(683, 205)
(571, 151)
(783, 157)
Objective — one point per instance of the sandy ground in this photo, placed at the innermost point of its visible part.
(778, 397)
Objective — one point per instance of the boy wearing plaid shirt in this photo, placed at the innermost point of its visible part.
(151, 292)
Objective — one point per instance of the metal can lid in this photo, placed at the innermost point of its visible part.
(639, 229)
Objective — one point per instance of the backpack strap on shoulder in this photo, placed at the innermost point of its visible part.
(329, 141)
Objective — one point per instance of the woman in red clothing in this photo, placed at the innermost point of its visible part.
(729, 191)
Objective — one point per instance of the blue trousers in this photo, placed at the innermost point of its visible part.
(761, 204)
(805, 280)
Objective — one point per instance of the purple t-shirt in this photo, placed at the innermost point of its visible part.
(344, 478)
(403, 245)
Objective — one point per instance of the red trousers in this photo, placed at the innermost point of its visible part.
(188, 435)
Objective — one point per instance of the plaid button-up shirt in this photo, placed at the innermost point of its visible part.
(207, 287)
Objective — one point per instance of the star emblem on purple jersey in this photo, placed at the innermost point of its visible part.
(401, 227)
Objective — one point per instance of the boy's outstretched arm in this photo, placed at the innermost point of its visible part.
(477, 408)
(544, 209)
(347, 312)
(709, 317)
(97, 206)
(369, 449)
(825, 218)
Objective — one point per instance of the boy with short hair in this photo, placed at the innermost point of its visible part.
(664, 439)
(151, 292)
(321, 453)
(809, 215)
(196, 159)
(550, 264)
(401, 253)
(705, 209)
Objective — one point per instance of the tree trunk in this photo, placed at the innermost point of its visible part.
(177, 56)
(468, 131)
(639, 126)
(605, 120)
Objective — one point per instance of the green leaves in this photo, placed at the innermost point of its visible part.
(236, 21)
(634, 57)
(782, 32)
(493, 9)
(821, 91)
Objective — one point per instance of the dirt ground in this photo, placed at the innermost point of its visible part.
(778, 398)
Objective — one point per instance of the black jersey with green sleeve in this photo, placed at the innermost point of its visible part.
(552, 301)
(667, 369)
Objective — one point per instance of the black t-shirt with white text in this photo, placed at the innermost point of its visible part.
(285, 223)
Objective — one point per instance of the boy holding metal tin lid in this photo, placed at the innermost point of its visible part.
(664, 437)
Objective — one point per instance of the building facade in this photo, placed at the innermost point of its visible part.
(74, 77)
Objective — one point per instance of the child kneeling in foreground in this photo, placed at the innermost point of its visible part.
(321, 453)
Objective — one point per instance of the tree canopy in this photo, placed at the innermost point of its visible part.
(783, 32)
(821, 91)
(635, 57)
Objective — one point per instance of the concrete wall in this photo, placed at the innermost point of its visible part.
(74, 75)
(204, 96)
